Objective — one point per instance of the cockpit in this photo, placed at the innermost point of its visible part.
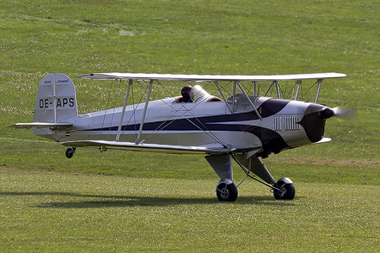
(200, 95)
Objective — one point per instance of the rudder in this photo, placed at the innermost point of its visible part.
(56, 99)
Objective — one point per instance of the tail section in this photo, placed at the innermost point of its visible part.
(56, 100)
(55, 107)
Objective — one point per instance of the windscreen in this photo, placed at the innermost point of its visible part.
(200, 94)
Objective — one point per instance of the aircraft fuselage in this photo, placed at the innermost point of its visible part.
(285, 124)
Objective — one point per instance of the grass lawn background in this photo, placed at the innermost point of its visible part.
(190, 37)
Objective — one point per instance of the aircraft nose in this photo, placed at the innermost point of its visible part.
(314, 120)
(326, 113)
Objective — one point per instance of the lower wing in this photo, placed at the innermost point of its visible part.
(160, 148)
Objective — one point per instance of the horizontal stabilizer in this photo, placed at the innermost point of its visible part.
(160, 148)
(41, 124)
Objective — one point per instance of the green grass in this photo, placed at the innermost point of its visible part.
(67, 212)
(50, 203)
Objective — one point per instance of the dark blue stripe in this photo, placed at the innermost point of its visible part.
(268, 108)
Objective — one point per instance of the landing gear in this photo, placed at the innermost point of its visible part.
(226, 192)
(70, 152)
(282, 189)
(286, 189)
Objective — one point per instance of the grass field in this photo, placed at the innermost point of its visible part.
(121, 201)
(66, 212)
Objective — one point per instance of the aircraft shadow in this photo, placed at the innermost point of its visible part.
(130, 201)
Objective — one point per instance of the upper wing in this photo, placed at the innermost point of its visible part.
(259, 78)
(171, 149)
(42, 124)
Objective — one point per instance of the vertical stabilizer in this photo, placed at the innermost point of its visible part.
(56, 99)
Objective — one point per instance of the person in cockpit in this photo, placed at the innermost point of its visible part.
(187, 94)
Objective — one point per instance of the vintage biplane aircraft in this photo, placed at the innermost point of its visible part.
(235, 125)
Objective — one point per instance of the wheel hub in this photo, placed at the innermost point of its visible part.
(224, 193)
(282, 191)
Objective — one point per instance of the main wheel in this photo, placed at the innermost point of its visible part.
(287, 189)
(226, 192)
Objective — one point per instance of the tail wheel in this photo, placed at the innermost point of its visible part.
(226, 192)
(287, 189)
(70, 152)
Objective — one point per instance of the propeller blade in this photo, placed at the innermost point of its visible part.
(343, 112)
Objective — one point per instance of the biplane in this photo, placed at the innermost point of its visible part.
(233, 125)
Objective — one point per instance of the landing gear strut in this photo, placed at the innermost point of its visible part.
(282, 189)
(70, 152)
(226, 190)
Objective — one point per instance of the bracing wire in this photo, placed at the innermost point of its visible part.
(113, 113)
(304, 94)
(105, 111)
(167, 122)
(291, 90)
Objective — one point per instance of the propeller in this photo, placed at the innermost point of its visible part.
(343, 112)
(336, 111)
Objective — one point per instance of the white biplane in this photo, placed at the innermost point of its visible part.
(242, 127)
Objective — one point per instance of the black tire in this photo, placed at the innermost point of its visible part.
(288, 191)
(226, 192)
(70, 152)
